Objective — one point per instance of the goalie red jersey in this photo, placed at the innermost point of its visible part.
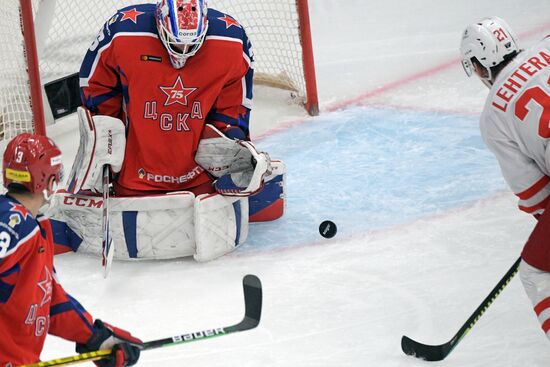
(127, 74)
(32, 302)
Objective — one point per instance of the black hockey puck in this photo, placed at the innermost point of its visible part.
(327, 229)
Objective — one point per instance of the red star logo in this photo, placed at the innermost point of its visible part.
(229, 22)
(131, 14)
(177, 93)
(46, 287)
(20, 209)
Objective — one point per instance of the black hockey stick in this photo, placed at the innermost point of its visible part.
(252, 288)
(439, 352)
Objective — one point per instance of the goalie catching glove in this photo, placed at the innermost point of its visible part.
(240, 168)
(125, 348)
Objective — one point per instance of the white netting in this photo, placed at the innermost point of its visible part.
(15, 110)
(272, 26)
(66, 28)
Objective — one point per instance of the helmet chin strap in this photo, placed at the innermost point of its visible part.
(486, 76)
(488, 81)
(48, 197)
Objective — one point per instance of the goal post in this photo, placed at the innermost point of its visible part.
(312, 101)
(46, 40)
(31, 55)
(21, 108)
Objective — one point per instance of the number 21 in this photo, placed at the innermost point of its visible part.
(543, 99)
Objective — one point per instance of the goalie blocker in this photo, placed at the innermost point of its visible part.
(176, 224)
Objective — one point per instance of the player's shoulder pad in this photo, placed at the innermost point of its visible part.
(136, 18)
(17, 225)
(224, 25)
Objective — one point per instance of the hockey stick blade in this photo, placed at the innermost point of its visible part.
(435, 353)
(426, 352)
(252, 288)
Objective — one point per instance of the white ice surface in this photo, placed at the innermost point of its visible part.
(347, 301)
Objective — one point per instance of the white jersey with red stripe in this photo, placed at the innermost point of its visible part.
(515, 125)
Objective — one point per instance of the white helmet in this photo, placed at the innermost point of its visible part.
(182, 26)
(488, 41)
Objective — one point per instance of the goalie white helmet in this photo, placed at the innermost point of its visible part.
(182, 27)
(487, 44)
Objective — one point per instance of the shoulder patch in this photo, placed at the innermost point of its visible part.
(229, 22)
(15, 219)
(224, 25)
(131, 14)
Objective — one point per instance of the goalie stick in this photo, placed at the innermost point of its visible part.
(439, 352)
(252, 288)
(107, 242)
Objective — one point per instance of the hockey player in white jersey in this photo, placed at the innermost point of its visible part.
(515, 125)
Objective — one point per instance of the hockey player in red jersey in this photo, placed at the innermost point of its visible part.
(32, 302)
(164, 71)
(515, 126)
(167, 90)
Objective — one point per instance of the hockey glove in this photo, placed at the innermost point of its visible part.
(125, 347)
(239, 167)
(247, 180)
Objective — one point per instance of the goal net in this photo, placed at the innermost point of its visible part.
(66, 28)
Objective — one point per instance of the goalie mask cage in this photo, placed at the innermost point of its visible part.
(45, 40)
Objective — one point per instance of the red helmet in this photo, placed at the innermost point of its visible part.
(30, 160)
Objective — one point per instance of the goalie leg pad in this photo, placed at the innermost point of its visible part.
(221, 225)
(269, 203)
(148, 227)
(102, 141)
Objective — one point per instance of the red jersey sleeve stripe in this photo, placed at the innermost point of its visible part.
(69, 320)
(534, 208)
(534, 189)
(71, 306)
(542, 305)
